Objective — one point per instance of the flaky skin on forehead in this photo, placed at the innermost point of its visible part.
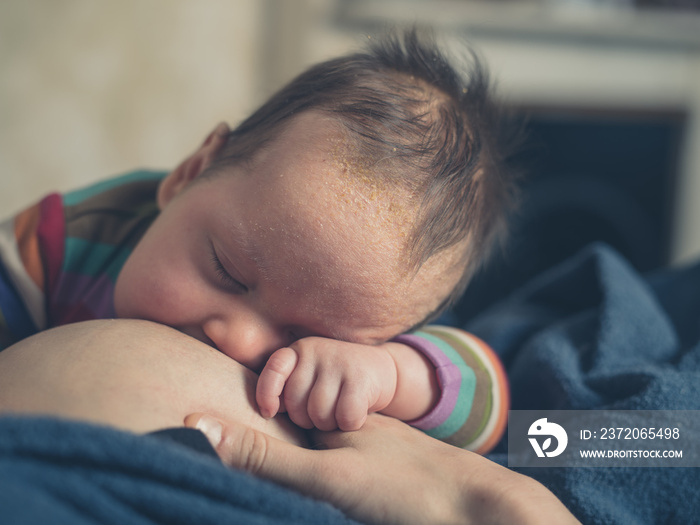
(414, 122)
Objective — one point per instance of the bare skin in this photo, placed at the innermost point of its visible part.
(133, 375)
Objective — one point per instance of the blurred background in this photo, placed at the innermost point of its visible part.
(610, 89)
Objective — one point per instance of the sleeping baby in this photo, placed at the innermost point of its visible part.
(312, 244)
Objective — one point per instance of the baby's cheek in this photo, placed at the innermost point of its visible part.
(144, 291)
(168, 300)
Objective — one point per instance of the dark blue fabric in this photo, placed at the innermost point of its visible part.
(592, 333)
(18, 322)
(61, 472)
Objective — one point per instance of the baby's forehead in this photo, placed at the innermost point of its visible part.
(340, 178)
(329, 207)
(369, 187)
(356, 161)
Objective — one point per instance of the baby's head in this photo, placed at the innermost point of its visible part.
(413, 124)
(354, 204)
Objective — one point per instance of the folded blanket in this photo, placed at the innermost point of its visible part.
(62, 472)
(592, 333)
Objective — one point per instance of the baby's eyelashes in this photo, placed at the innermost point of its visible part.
(224, 277)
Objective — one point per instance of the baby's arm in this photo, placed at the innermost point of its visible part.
(441, 380)
(474, 395)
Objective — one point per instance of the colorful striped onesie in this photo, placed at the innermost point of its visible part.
(59, 262)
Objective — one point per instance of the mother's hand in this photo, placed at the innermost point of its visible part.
(388, 472)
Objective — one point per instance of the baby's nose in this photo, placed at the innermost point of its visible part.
(248, 342)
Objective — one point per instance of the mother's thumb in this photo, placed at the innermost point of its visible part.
(323, 474)
(254, 451)
(209, 426)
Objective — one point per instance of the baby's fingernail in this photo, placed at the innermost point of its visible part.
(211, 428)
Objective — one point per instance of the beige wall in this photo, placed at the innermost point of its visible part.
(93, 88)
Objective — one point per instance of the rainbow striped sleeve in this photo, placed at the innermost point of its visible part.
(103, 222)
(472, 410)
(23, 276)
(59, 259)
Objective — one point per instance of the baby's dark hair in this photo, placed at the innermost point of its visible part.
(433, 126)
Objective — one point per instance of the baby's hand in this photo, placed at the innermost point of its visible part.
(327, 384)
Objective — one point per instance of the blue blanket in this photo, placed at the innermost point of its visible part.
(594, 334)
(588, 334)
(61, 472)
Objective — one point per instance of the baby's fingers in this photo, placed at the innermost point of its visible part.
(351, 410)
(296, 395)
(272, 379)
(322, 403)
